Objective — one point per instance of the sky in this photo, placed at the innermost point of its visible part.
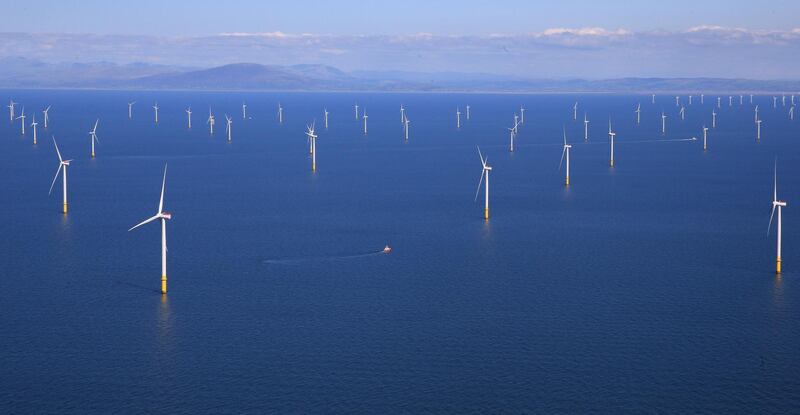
(512, 37)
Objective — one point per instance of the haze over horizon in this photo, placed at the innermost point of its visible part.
(570, 39)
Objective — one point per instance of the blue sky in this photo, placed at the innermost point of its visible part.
(566, 38)
(462, 17)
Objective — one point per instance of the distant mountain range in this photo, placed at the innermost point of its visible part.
(27, 73)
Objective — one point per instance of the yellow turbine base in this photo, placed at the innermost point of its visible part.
(92, 155)
(65, 208)
(486, 214)
(313, 167)
(612, 163)
(566, 182)
(163, 284)
(778, 266)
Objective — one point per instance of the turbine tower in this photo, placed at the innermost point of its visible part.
(779, 204)
(312, 138)
(62, 164)
(280, 114)
(611, 135)
(575, 111)
(566, 151)
(407, 121)
(458, 118)
(210, 122)
(663, 123)
(228, 126)
(33, 125)
(155, 107)
(163, 217)
(93, 136)
(22, 117)
(638, 113)
(326, 118)
(705, 138)
(365, 116)
(130, 109)
(189, 116)
(585, 127)
(46, 116)
(355, 107)
(244, 111)
(485, 172)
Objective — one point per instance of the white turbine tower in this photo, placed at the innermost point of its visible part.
(663, 123)
(779, 204)
(130, 109)
(365, 116)
(566, 151)
(355, 108)
(677, 101)
(93, 135)
(312, 139)
(468, 109)
(189, 116)
(485, 172)
(755, 117)
(33, 125)
(758, 130)
(280, 114)
(730, 100)
(751, 99)
(326, 118)
(713, 119)
(244, 111)
(513, 133)
(405, 124)
(22, 117)
(741, 100)
(575, 111)
(155, 108)
(702, 99)
(638, 113)
(653, 98)
(10, 106)
(611, 135)
(719, 102)
(46, 116)
(458, 118)
(791, 113)
(521, 114)
(585, 127)
(402, 114)
(62, 164)
(163, 217)
(774, 102)
(705, 138)
(210, 122)
(690, 100)
(228, 126)
(683, 113)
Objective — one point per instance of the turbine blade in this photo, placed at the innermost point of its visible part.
(562, 157)
(483, 162)
(54, 179)
(480, 182)
(146, 221)
(163, 183)
(770, 219)
(775, 189)
(57, 152)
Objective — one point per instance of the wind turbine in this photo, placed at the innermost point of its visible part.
(653, 98)
(755, 118)
(611, 136)
(758, 133)
(244, 111)
(705, 138)
(566, 151)
(312, 138)
(468, 109)
(791, 113)
(485, 172)
(62, 164)
(34, 124)
(575, 111)
(130, 109)
(663, 123)
(783, 100)
(11, 105)
(22, 117)
(326, 118)
(189, 116)
(683, 113)
(458, 118)
(677, 101)
(513, 133)
(93, 135)
(228, 127)
(46, 116)
(163, 217)
(521, 114)
(702, 99)
(730, 101)
(792, 99)
(751, 98)
(741, 100)
(690, 100)
(516, 123)
(405, 124)
(713, 119)
(210, 122)
(155, 107)
(355, 107)
(638, 113)
(719, 102)
(280, 114)
(585, 127)
(779, 204)
(365, 116)
(774, 102)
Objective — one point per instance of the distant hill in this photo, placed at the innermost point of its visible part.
(26, 73)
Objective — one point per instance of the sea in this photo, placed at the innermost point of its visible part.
(647, 287)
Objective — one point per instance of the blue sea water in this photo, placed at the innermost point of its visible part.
(647, 287)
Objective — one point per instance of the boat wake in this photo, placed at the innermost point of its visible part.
(304, 260)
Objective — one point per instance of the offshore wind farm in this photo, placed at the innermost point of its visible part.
(530, 250)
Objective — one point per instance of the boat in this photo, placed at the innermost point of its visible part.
(387, 249)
